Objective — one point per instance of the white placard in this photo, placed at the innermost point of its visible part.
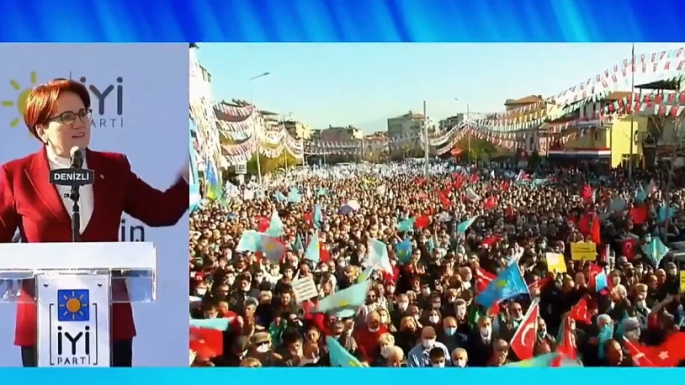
(304, 289)
(73, 320)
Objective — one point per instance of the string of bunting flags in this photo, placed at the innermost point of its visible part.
(249, 131)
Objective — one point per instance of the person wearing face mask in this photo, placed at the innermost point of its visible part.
(543, 336)
(515, 318)
(480, 343)
(432, 318)
(460, 314)
(450, 335)
(400, 309)
(419, 356)
(201, 289)
(386, 342)
(460, 358)
(260, 349)
(437, 358)
(367, 338)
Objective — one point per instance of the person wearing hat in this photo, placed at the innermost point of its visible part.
(237, 353)
(260, 349)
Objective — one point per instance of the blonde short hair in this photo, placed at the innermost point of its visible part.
(386, 339)
(250, 363)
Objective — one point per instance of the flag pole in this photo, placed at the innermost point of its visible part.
(632, 111)
(425, 138)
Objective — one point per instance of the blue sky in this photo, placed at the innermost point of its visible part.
(364, 84)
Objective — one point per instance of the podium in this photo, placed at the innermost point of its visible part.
(73, 286)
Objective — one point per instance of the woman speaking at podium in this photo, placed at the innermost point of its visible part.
(58, 115)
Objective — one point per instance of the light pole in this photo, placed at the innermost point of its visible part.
(254, 131)
(284, 119)
(466, 118)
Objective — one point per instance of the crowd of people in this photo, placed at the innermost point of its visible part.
(594, 248)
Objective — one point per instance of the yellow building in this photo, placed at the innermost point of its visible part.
(298, 130)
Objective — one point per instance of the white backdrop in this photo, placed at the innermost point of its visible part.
(150, 126)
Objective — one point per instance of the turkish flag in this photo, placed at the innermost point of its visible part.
(444, 200)
(595, 230)
(639, 215)
(580, 313)
(490, 203)
(567, 346)
(666, 355)
(455, 152)
(628, 248)
(526, 335)
(539, 284)
(422, 222)
(324, 253)
(263, 224)
(207, 343)
(483, 279)
(308, 218)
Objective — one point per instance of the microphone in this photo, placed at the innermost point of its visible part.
(76, 157)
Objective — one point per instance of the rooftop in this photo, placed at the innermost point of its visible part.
(410, 114)
(530, 99)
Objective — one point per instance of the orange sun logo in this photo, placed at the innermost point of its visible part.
(22, 94)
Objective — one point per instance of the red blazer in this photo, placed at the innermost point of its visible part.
(30, 203)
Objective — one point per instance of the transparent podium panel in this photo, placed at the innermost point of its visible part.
(17, 286)
(138, 285)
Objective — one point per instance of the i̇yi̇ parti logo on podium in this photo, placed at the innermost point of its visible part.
(73, 330)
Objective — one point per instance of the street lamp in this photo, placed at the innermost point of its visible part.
(254, 110)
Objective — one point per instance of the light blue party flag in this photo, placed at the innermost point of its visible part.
(339, 356)
(601, 282)
(378, 256)
(297, 245)
(617, 204)
(270, 247)
(366, 274)
(294, 196)
(345, 303)
(276, 227)
(280, 198)
(655, 251)
(664, 213)
(403, 250)
(312, 252)
(545, 361)
(249, 241)
(463, 226)
(406, 225)
(509, 283)
(220, 324)
(317, 218)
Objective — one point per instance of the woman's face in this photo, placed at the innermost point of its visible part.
(69, 125)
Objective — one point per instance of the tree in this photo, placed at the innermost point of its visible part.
(269, 165)
(478, 148)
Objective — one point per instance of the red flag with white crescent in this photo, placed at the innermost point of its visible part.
(523, 341)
